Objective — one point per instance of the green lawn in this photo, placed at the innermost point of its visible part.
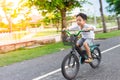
(25, 54)
(108, 35)
(45, 33)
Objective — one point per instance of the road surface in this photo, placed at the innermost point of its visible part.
(48, 66)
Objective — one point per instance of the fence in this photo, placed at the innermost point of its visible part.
(6, 38)
(12, 41)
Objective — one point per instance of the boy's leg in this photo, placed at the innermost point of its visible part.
(79, 43)
(78, 48)
(87, 48)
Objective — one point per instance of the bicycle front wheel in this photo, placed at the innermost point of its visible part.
(70, 66)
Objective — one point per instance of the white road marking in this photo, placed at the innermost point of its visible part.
(110, 48)
(50, 73)
(55, 71)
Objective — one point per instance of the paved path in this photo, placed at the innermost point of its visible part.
(41, 66)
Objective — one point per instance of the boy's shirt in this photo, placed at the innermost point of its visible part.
(85, 35)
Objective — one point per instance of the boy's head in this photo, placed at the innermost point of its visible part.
(81, 19)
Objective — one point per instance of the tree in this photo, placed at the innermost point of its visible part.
(7, 10)
(22, 11)
(114, 6)
(52, 18)
(118, 21)
(61, 6)
(102, 16)
(14, 12)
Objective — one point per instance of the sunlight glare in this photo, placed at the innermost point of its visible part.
(15, 2)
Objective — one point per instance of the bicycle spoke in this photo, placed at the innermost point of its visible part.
(70, 67)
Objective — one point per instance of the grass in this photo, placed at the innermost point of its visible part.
(108, 35)
(108, 24)
(19, 35)
(45, 33)
(25, 54)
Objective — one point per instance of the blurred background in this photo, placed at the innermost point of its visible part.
(24, 20)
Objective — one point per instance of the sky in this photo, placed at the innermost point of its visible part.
(15, 2)
(93, 9)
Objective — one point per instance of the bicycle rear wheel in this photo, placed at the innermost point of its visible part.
(96, 54)
(70, 66)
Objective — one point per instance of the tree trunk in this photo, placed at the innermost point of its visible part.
(9, 21)
(7, 17)
(63, 14)
(63, 21)
(118, 22)
(102, 16)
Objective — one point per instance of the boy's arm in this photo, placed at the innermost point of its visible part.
(90, 28)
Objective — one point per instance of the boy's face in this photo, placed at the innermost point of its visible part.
(80, 21)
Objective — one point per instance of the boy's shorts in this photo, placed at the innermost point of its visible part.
(89, 41)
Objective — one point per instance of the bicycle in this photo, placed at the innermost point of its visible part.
(73, 59)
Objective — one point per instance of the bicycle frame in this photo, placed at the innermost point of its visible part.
(74, 38)
(72, 60)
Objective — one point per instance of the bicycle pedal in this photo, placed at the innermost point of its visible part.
(82, 60)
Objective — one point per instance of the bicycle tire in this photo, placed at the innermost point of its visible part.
(96, 56)
(75, 64)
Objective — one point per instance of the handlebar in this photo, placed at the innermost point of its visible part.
(78, 33)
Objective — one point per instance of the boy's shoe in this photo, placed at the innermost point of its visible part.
(89, 60)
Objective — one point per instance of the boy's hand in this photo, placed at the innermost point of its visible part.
(64, 29)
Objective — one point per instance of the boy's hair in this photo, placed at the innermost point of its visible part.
(84, 16)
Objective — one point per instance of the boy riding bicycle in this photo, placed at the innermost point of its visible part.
(87, 35)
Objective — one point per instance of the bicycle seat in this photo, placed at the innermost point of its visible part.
(97, 45)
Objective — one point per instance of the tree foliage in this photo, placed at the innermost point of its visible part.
(51, 5)
(12, 13)
(60, 6)
(114, 6)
